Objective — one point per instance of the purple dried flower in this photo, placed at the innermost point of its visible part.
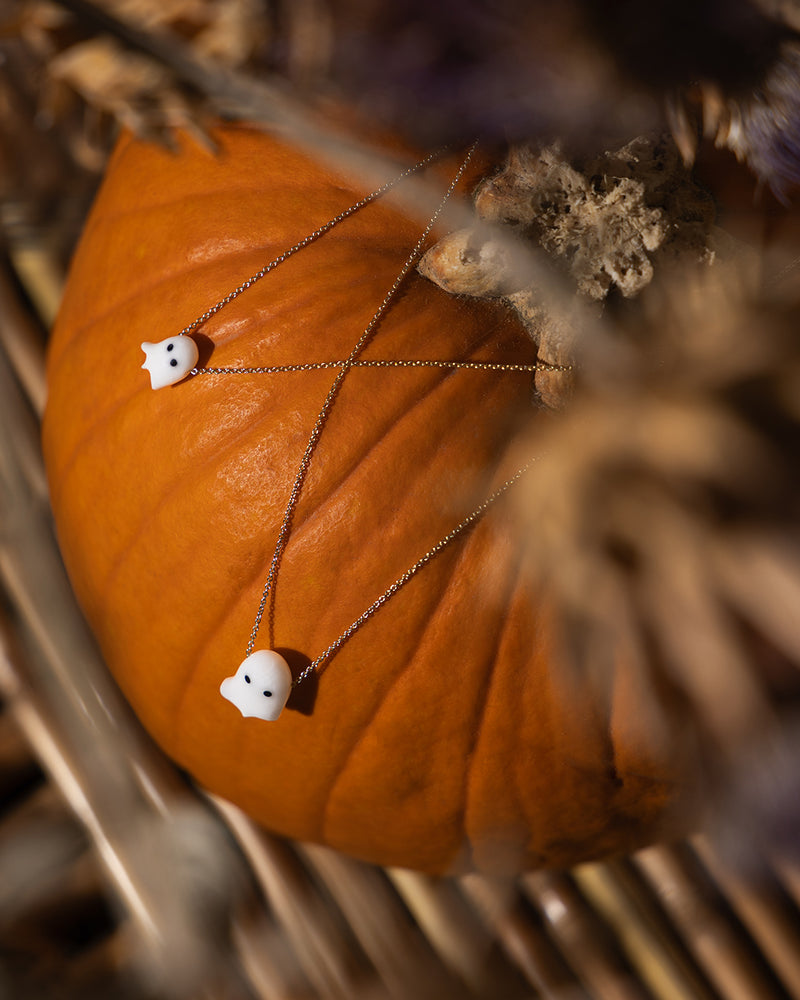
(766, 130)
(585, 72)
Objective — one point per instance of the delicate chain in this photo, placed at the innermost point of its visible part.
(353, 361)
(459, 529)
(312, 366)
(305, 461)
(213, 310)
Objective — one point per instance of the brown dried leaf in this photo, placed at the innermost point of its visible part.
(106, 75)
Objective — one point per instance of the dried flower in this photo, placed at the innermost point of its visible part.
(763, 128)
(604, 224)
(664, 509)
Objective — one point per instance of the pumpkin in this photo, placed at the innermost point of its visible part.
(444, 734)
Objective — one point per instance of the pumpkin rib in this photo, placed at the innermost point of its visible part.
(136, 293)
(469, 793)
(164, 497)
(364, 279)
(225, 610)
(338, 775)
(350, 194)
(233, 183)
(99, 424)
(80, 330)
(234, 133)
(436, 862)
(191, 274)
(521, 592)
(437, 382)
(409, 413)
(334, 488)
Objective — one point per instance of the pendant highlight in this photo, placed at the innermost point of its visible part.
(169, 360)
(260, 687)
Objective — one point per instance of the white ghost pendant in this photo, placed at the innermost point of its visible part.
(169, 360)
(260, 687)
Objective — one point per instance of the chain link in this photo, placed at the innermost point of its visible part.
(312, 366)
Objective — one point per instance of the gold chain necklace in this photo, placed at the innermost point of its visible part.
(263, 682)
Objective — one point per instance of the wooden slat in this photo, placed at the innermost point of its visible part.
(773, 923)
(724, 952)
(584, 939)
(523, 939)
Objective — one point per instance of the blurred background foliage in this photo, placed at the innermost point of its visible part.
(672, 526)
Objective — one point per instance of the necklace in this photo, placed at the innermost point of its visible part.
(263, 682)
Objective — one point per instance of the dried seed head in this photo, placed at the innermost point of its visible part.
(604, 225)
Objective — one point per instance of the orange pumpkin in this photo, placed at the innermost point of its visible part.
(442, 735)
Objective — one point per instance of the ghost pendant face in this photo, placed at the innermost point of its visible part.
(260, 687)
(169, 360)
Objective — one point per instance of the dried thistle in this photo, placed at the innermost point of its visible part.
(121, 58)
(663, 513)
(584, 73)
(762, 128)
(606, 223)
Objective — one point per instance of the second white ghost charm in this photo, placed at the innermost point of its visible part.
(169, 360)
(260, 687)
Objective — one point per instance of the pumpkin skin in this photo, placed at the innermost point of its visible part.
(442, 735)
